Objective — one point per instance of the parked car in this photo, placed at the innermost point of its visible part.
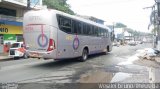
(116, 44)
(132, 43)
(141, 42)
(17, 50)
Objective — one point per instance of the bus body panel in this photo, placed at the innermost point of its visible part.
(36, 39)
(66, 49)
(64, 45)
(38, 29)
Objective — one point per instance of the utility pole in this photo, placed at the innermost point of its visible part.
(158, 29)
(154, 24)
(153, 21)
(28, 5)
(113, 35)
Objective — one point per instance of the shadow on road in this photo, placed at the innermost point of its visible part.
(8, 59)
(55, 64)
(65, 62)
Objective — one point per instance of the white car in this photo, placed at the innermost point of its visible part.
(17, 50)
(116, 44)
(132, 43)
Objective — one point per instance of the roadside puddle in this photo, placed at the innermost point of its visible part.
(96, 77)
(92, 78)
(100, 76)
(120, 76)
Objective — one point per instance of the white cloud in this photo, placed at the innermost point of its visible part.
(129, 12)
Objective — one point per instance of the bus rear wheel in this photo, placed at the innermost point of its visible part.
(84, 55)
(107, 50)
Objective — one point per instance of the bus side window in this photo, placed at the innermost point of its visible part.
(99, 32)
(92, 31)
(89, 30)
(79, 27)
(84, 29)
(107, 33)
(96, 31)
(65, 24)
(76, 27)
(102, 32)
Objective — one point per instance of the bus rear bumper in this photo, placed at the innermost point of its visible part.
(45, 55)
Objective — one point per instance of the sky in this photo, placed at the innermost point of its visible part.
(128, 12)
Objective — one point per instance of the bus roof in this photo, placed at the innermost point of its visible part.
(72, 17)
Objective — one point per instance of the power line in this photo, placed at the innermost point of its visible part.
(29, 4)
(36, 3)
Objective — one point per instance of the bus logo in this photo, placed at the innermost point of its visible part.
(42, 40)
(75, 43)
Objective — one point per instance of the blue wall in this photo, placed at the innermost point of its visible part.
(11, 22)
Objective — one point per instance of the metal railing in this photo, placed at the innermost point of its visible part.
(11, 18)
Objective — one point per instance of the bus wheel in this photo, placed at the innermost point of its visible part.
(107, 50)
(84, 55)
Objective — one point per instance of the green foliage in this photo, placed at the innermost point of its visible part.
(58, 5)
(135, 33)
(120, 25)
(129, 30)
(154, 30)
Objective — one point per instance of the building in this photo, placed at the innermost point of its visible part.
(121, 35)
(11, 16)
(128, 36)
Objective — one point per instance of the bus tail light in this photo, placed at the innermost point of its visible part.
(51, 45)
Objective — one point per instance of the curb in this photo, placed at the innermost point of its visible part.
(4, 58)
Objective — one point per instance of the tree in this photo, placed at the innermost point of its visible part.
(58, 5)
(154, 30)
(120, 25)
(134, 32)
(129, 30)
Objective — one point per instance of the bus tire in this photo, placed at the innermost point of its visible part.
(84, 55)
(107, 50)
(15, 58)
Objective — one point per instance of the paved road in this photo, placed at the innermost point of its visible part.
(98, 68)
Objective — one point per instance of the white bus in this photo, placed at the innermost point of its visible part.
(51, 34)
